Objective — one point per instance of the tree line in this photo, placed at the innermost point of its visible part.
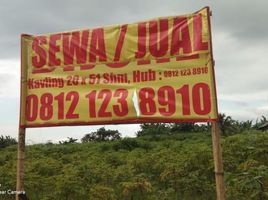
(228, 126)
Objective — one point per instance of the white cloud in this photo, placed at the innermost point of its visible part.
(240, 37)
(9, 78)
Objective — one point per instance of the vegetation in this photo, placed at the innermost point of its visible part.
(6, 141)
(102, 135)
(165, 162)
(228, 126)
(69, 141)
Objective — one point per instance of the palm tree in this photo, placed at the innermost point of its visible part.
(226, 123)
(260, 123)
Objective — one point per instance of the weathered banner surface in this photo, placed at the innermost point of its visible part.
(159, 70)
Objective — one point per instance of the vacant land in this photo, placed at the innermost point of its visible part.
(158, 167)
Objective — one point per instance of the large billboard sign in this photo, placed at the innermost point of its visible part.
(159, 70)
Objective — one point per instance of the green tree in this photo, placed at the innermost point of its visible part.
(184, 127)
(227, 125)
(260, 122)
(69, 141)
(245, 125)
(153, 129)
(6, 141)
(102, 135)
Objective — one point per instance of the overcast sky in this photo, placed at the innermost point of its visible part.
(240, 44)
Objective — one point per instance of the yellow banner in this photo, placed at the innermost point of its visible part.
(159, 70)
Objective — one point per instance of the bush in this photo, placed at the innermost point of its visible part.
(126, 144)
(7, 141)
(102, 135)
